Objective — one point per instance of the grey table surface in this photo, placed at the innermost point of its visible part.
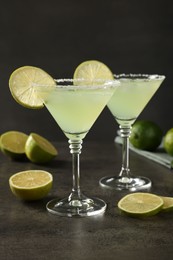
(28, 231)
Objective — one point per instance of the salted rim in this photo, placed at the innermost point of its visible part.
(59, 84)
(138, 77)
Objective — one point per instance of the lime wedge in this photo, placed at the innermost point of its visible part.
(140, 204)
(31, 184)
(92, 70)
(12, 143)
(39, 150)
(23, 82)
(167, 203)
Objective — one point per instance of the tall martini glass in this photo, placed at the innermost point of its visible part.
(126, 104)
(75, 109)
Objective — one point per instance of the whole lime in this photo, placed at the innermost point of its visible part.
(168, 142)
(146, 135)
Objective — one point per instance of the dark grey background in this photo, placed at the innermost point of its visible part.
(128, 35)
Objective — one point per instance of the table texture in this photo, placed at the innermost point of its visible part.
(28, 231)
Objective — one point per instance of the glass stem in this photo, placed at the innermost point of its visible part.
(125, 170)
(75, 149)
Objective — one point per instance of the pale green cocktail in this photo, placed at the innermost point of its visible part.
(126, 104)
(75, 109)
(132, 97)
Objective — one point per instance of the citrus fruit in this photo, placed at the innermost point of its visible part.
(140, 204)
(92, 70)
(23, 82)
(168, 142)
(167, 203)
(39, 150)
(12, 143)
(31, 184)
(146, 135)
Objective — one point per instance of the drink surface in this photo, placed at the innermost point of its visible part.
(130, 99)
(76, 109)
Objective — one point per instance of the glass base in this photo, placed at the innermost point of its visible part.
(124, 183)
(76, 207)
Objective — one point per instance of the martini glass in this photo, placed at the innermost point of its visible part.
(75, 109)
(126, 104)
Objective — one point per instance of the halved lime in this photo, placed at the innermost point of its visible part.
(167, 203)
(31, 184)
(92, 70)
(23, 82)
(39, 150)
(140, 204)
(12, 143)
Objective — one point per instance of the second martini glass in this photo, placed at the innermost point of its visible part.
(75, 108)
(126, 104)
